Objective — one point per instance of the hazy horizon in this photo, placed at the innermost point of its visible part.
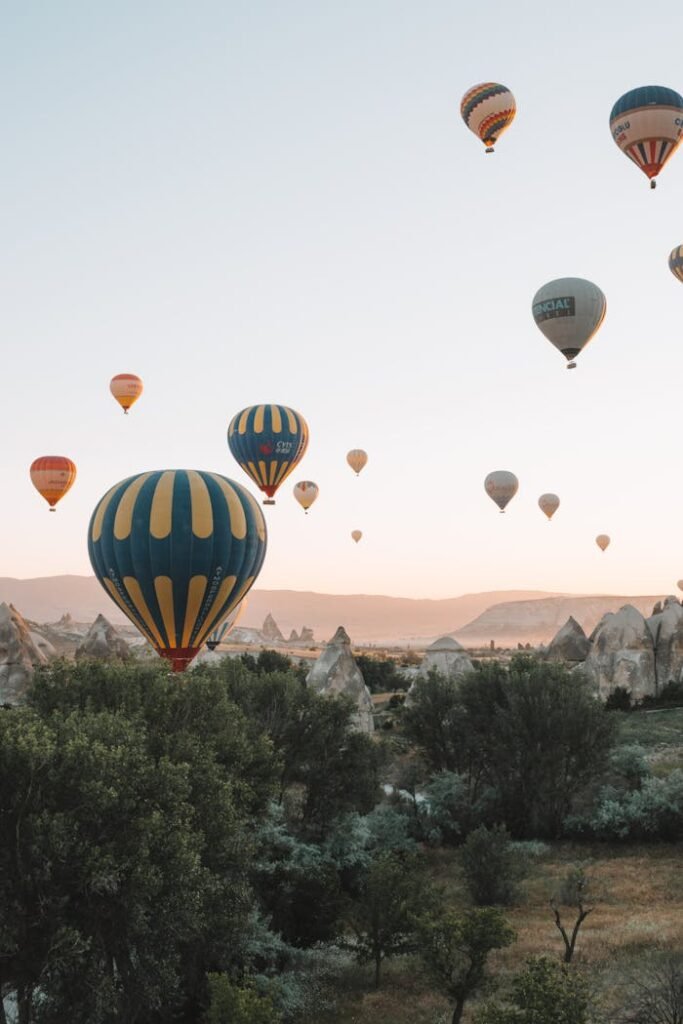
(245, 203)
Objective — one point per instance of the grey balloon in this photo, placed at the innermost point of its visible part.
(569, 311)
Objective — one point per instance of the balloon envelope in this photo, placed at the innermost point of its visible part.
(680, 584)
(501, 486)
(603, 541)
(268, 441)
(356, 534)
(676, 262)
(126, 389)
(305, 493)
(52, 476)
(356, 459)
(488, 109)
(549, 504)
(646, 124)
(568, 311)
(177, 550)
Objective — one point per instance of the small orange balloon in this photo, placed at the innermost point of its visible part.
(52, 476)
(356, 534)
(126, 389)
(356, 459)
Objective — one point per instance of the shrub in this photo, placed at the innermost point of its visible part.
(492, 866)
(630, 763)
(670, 696)
(619, 699)
(452, 809)
(655, 811)
(232, 1005)
(546, 992)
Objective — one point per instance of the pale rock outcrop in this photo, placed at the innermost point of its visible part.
(447, 657)
(103, 642)
(569, 644)
(666, 626)
(43, 645)
(19, 656)
(621, 654)
(270, 629)
(336, 672)
(293, 637)
(306, 635)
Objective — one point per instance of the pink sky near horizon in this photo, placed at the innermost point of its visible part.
(243, 204)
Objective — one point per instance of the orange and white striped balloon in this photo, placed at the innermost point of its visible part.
(52, 476)
(126, 389)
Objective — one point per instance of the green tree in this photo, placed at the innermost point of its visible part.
(382, 917)
(539, 736)
(380, 675)
(333, 768)
(545, 992)
(434, 721)
(456, 947)
(128, 799)
(230, 1004)
(492, 866)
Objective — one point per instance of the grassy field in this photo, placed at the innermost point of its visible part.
(659, 732)
(640, 909)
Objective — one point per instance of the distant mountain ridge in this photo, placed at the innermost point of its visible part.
(475, 619)
(538, 621)
(368, 618)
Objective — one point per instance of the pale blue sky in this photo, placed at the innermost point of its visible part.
(249, 202)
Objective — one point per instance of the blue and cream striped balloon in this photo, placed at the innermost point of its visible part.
(676, 262)
(177, 550)
(268, 441)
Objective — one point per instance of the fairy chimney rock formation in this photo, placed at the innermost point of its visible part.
(666, 627)
(306, 635)
(447, 657)
(336, 672)
(270, 630)
(19, 656)
(102, 641)
(293, 637)
(569, 644)
(622, 654)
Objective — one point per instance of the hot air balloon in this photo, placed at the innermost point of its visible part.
(680, 584)
(52, 476)
(227, 626)
(305, 493)
(603, 541)
(356, 534)
(177, 550)
(501, 487)
(126, 389)
(676, 262)
(356, 459)
(646, 125)
(549, 504)
(487, 110)
(569, 311)
(268, 441)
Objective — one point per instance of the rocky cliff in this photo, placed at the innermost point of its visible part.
(336, 672)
